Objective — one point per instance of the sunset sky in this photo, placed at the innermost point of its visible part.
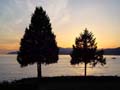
(68, 17)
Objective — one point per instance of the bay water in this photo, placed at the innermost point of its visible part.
(11, 70)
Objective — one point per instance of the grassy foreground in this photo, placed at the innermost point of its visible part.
(64, 83)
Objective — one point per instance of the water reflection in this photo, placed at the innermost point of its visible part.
(10, 69)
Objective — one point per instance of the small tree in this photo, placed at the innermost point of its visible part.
(38, 43)
(85, 51)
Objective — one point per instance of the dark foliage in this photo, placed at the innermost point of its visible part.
(85, 50)
(38, 43)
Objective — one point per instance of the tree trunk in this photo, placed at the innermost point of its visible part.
(39, 70)
(85, 69)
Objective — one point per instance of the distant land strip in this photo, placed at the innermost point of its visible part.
(67, 51)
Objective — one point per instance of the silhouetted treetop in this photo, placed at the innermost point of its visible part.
(40, 20)
(38, 43)
(86, 40)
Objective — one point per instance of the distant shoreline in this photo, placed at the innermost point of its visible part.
(64, 54)
(67, 51)
(59, 54)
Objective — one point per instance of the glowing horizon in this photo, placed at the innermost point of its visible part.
(68, 18)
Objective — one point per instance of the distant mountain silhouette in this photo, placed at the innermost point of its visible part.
(66, 51)
(112, 51)
(13, 52)
(4, 51)
(61, 51)
(108, 51)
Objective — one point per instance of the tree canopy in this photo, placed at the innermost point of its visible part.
(85, 50)
(38, 43)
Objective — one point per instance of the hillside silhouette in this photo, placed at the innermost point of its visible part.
(66, 51)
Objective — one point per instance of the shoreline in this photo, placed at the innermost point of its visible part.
(64, 83)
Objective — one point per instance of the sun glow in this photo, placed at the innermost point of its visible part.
(68, 20)
(13, 46)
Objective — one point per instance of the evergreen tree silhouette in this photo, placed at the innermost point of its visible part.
(38, 43)
(85, 51)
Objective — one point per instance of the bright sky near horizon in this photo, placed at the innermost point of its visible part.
(68, 18)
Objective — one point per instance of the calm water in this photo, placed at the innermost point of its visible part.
(10, 69)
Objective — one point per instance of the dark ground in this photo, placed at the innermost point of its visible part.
(64, 83)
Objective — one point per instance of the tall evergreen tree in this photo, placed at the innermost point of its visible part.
(85, 50)
(38, 43)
